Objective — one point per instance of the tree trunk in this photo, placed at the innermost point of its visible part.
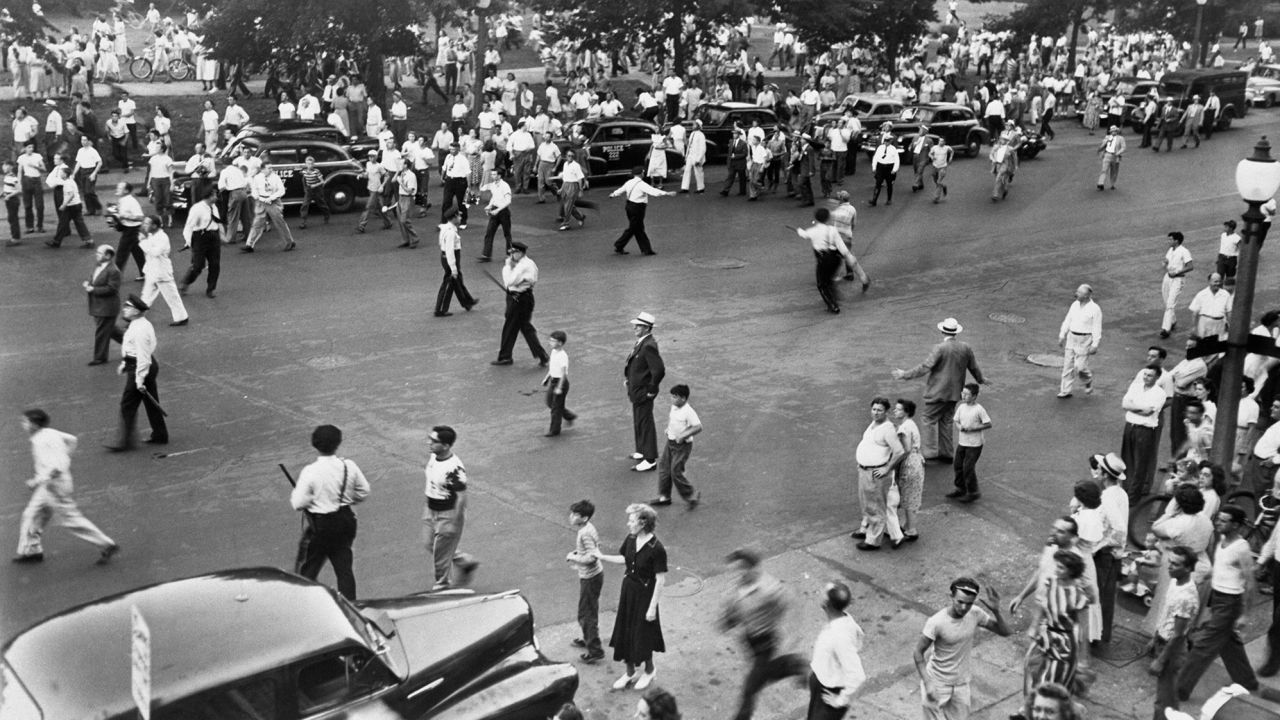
(1076, 18)
(677, 44)
(477, 64)
(373, 78)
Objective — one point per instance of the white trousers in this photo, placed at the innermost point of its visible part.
(169, 291)
(1169, 290)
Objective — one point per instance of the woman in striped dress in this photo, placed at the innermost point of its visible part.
(1054, 631)
(911, 469)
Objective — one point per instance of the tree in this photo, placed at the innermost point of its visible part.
(1051, 17)
(612, 24)
(19, 24)
(1179, 18)
(892, 27)
(254, 32)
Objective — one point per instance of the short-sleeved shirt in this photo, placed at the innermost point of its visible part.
(680, 419)
(952, 643)
(970, 414)
(1177, 259)
(646, 562)
(445, 479)
(877, 444)
(1183, 601)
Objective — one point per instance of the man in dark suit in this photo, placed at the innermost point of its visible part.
(644, 373)
(103, 290)
(737, 162)
(948, 366)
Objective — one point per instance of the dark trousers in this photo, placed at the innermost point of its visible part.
(1210, 123)
(71, 215)
(1273, 634)
(33, 202)
(450, 285)
(589, 611)
(132, 398)
(1138, 449)
(502, 219)
(314, 195)
(1108, 575)
(966, 460)
(1215, 637)
(518, 316)
(645, 431)
(206, 248)
(1177, 429)
(120, 151)
(13, 207)
(88, 192)
(1167, 680)
(671, 469)
(635, 228)
(827, 265)
(556, 401)
(455, 189)
(884, 178)
(766, 667)
(128, 248)
(818, 709)
(1045, 130)
(329, 537)
(738, 171)
(102, 328)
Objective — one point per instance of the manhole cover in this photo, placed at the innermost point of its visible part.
(681, 583)
(329, 362)
(718, 263)
(1007, 318)
(1045, 359)
(1125, 647)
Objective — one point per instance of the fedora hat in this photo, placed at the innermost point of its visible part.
(950, 326)
(1110, 464)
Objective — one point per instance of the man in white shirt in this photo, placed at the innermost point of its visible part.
(451, 260)
(267, 190)
(884, 164)
(203, 236)
(1111, 150)
(672, 86)
(51, 488)
(158, 272)
(1211, 307)
(521, 146)
(399, 117)
(695, 157)
(836, 669)
(571, 179)
(1177, 263)
(455, 169)
(948, 638)
(1229, 251)
(140, 369)
(52, 129)
(877, 455)
(88, 165)
(548, 153)
(830, 252)
(31, 172)
(499, 211)
(1109, 471)
(1079, 336)
(308, 107)
(519, 275)
(326, 490)
(128, 112)
(67, 196)
(233, 189)
(1142, 403)
(637, 192)
(406, 189)
(235, 117)
(1216, 635)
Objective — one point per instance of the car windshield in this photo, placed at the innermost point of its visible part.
(713, 116)
(862, 107)
(916, 115)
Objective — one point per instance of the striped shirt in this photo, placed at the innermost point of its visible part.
(10, 185)
(312, 177)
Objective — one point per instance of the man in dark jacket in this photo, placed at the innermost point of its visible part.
(103, 290)
(644, 371)
(737, 163)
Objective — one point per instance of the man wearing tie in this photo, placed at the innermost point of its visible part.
(737, 163)
(103, 290)
(1111, 149)
(920, 145)
(644, 372)
(637, 192)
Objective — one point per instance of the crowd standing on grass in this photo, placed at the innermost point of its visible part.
(515, 141)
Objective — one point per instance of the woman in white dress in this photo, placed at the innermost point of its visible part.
(108, 67)
(657, 170)
(163, 125)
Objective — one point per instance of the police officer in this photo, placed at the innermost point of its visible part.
(326, 490)
(140, 370)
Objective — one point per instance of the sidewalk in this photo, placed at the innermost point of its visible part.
(705, 668)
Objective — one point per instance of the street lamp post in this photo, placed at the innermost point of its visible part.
(1197, 48)
(1257, 180)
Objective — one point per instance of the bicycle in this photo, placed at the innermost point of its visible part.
(1262, 515)
(142, 67)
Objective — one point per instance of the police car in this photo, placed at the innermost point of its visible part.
(613, 146)
(342, 183)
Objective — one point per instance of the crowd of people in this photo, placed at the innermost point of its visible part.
(515, 141)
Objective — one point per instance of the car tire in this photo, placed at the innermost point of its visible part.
(1269, 102)
(1225, 122)
(973, 145)
(341, 197)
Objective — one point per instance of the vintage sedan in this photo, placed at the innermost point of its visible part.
(872, 111)
(1262, 91)
(289, 129)
(343, 184)
(613, 146)
(720, 119)
(263, 644)
(957, 125)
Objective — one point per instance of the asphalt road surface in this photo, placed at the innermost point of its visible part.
(341, 332)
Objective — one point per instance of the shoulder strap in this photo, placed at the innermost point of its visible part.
(342, 493)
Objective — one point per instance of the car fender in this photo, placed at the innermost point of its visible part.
(351, 177)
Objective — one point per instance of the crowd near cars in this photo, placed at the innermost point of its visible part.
(264, 644)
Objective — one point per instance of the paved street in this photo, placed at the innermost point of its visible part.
(341, 332)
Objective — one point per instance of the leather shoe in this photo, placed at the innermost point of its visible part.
(591, 657)
(210, 294)
(578, 642)
(178, 323)
(911, 538)
(97, 362)
(1269, 669)
(501, 361)
(970, 497)
(660, 501)
(157, 441)
(858, 535)
(444, 314)
(33, 558)
(117, 448)
(956, 494)
(867, 546)
(246, 249)
(695, 500)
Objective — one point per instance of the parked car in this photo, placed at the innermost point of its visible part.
(1262, 91)
(1230, 86)
(342, 181)
(719, 120)
(957, 125)
(279, 129)
(614, 146)
(871, 110)
(264, 644)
